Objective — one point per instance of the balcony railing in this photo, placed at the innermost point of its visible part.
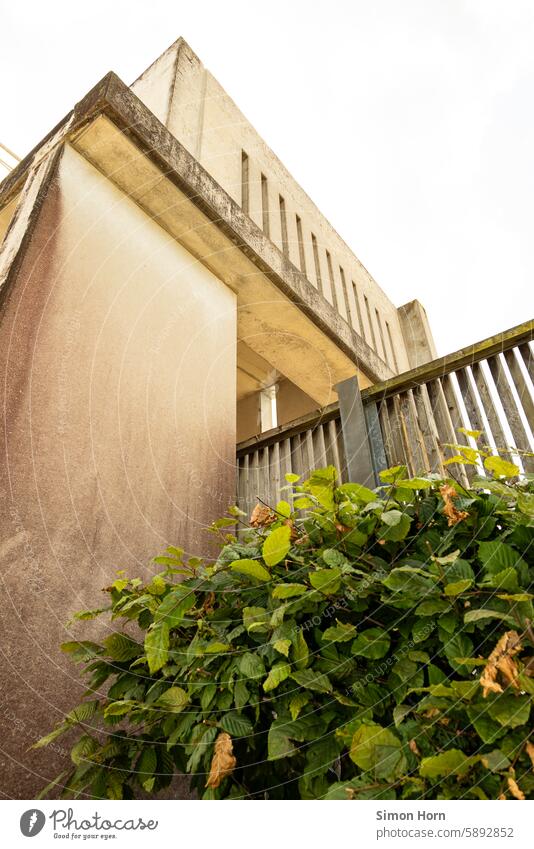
(409, 419)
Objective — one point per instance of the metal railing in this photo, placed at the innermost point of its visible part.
(409, 419)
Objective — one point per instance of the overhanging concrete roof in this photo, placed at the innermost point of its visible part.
(119, 135)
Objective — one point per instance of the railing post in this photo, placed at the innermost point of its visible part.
(358, 452)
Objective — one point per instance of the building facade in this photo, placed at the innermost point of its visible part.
(166, 289)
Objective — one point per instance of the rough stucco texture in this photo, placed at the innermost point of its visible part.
(117, 357)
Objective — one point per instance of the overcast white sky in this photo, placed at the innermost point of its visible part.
(410, 124)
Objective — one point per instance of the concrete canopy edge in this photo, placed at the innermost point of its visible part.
(113, 98)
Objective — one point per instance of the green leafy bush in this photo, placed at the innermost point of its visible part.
(360, 644)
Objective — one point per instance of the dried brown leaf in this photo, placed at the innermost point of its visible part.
(500, 661)
(448, 494)
(262, 516)
(515, 790)
(294, 533)
(413, 747)
(223, 761)
(530, 751)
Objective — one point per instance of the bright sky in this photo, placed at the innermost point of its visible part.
(410, 124)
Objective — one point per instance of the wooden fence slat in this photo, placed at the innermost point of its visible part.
(444, 426)
(319, 447)
(490, 409)
(413, 441)
(376, 440)
(450, 393)
(428, 428)
(528, 359)
(387, 434)
(333, 439)
(510, 410)
(395, 419)
(520, 383)
(471, 404)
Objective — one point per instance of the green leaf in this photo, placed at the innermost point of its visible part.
(256, 620)
(278, 744)
(297, 703)
(396, 526)
(327, 581)
(496, 556)
(146, 767)
(484, 613)
(289, 590)
(301, 652)
(282, 646)
(122, 648)
(452, 762)
(251, 568)
(83, 749)
(83, 712)
(358, 492)
(501, 468)
(173, 700)
(334, 558)
(525, 503)
(495, 760)
(157, 646)
(279, 672)
(81, 650)
(120, 707)
(283, 509)
(394, 474)
(236, 724)
(312, 680)
(506, 579)
(475, 434)
(415, 483)
(510, 711)
(291, 478)
(49, 738)
(339, 633)
(241, 695)
(303, 503)
(372, 643)
(458, 587)
(277, 545)
(174, 606)
(459, 646)
(409, 581)
(429, 608)
(251, 666)
(377, 750)
(321, 485)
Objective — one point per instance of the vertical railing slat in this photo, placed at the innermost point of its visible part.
(492, 415)
(471, 403)
(520, 383)
(528, 359)
(428, 428)
(510, 410)
(445, 426)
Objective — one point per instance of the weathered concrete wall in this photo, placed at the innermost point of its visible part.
(202, 116)
(117, 354)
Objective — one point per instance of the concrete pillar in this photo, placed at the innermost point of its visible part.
(418, 339)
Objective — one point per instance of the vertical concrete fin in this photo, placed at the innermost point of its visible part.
(418, 338)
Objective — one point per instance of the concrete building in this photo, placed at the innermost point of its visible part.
(166, 287)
